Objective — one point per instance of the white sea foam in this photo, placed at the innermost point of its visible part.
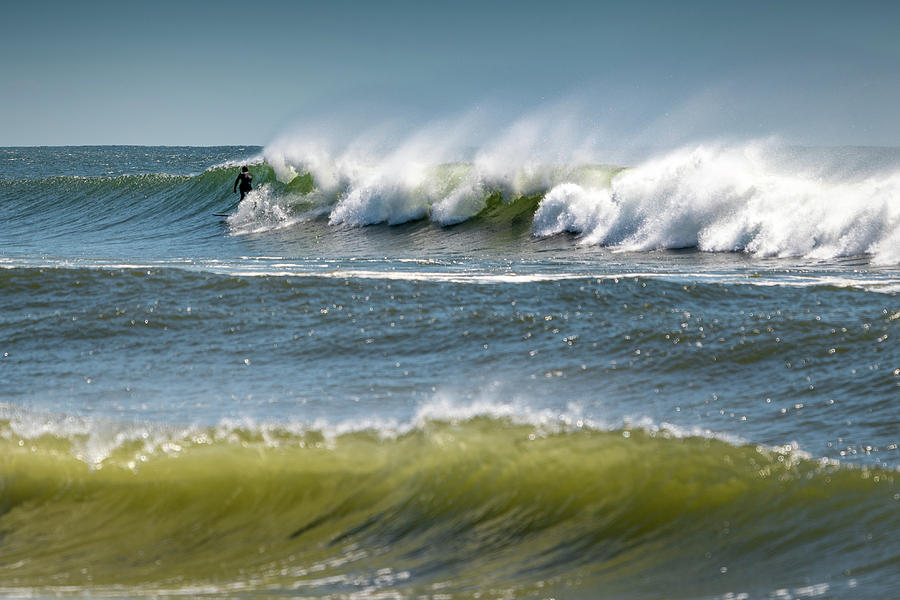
(750, 197)
(732, 198)
(433, 172)
(714, 197)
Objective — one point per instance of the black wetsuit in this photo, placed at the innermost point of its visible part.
(244, 178)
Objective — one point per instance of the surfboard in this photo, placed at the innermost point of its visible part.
(221, 214)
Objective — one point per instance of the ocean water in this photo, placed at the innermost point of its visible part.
(399, 374)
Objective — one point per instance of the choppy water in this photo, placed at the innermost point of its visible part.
(394, 377)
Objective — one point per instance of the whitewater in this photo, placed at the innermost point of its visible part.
(756, 197)
(413, 367)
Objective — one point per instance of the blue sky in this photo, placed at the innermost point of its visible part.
(206, 73)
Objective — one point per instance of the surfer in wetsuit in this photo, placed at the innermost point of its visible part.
(244, 178)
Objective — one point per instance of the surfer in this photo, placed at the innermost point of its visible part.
(244, 178)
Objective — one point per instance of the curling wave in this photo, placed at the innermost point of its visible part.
(294, 510)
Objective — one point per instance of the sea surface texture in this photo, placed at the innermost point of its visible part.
(385, 376)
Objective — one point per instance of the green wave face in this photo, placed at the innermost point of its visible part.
(481, 508)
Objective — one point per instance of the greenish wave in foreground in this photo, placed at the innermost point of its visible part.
(478, 508)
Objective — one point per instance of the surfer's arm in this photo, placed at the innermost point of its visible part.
(236, 182)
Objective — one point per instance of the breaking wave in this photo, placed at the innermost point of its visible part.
(509, 502)
(754, 198)
(730, 199)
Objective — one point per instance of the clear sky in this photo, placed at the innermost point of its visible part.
(208, 73)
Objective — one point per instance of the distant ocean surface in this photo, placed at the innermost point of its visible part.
(392, 376)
